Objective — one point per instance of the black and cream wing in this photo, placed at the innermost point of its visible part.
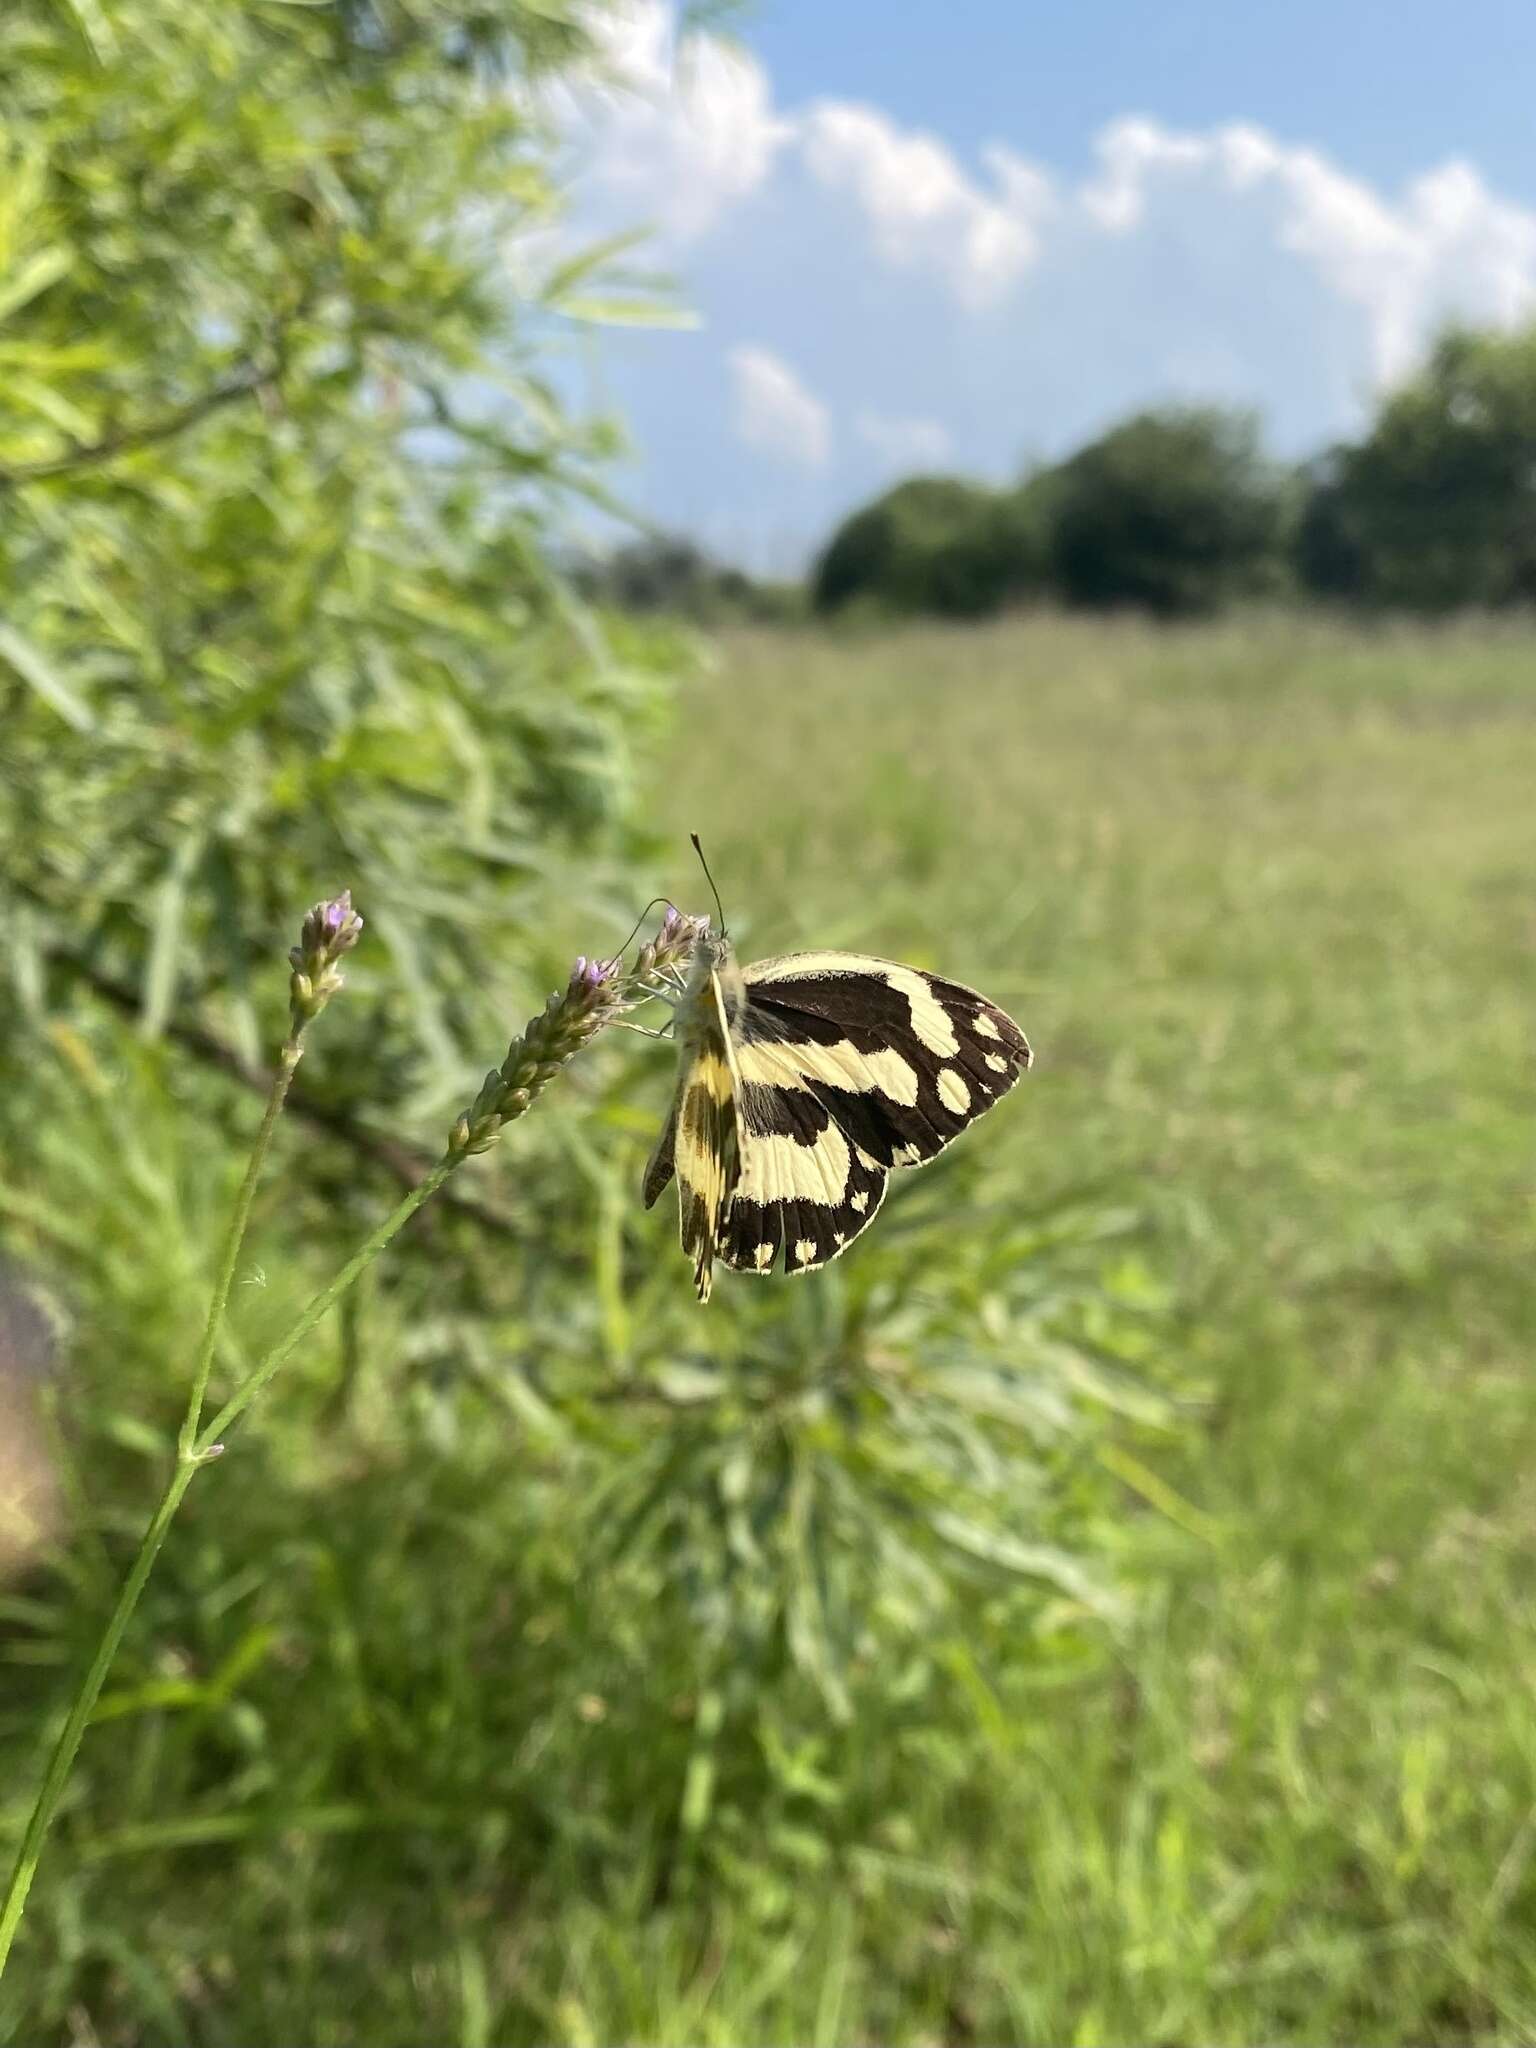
(700, 1143)
(806, 1188)
(848, 1066)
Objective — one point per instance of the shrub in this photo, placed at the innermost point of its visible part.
(1174, 511)
(1436, 507)
(668, 575)
(933, 544)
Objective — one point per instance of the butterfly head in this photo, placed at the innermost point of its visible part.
(713, 954)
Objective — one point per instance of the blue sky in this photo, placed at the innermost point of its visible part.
(966, 237)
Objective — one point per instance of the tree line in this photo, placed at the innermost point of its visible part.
(1179, 511)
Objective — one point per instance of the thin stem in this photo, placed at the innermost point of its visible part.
(64, 1750)
(188, 1462)
(321, 1306)
(188, 1458)
(234, 1238)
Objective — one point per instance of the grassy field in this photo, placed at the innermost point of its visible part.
(397, 1752)
(1262, 896)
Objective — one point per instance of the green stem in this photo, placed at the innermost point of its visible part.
(192, 1451)
(234, 1238)
(64, 1750)
(321, 1306)
(188, 1458)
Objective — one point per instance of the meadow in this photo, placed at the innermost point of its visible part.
(1260, 892)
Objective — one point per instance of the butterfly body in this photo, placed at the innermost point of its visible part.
(805, 1081)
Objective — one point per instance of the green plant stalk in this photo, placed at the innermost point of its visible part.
(292, 1053)
(207, 1444)
(62, 1760)
(566, 1024)
(189, 1457)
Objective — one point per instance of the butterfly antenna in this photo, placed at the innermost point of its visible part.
(704, 864)
(640, 920)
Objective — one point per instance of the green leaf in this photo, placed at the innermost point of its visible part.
(606, 311)
(1028, 1560)
(165, 938)
(21, 656)
(687, 1384)
(41, 269)
(585, 263)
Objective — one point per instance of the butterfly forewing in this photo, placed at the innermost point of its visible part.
(802, 1083)
(905, 1060)
(850, 1066)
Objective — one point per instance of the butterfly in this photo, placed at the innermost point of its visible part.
(802, 1082)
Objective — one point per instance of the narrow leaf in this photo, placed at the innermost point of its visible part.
(1029, 1560)
(165, 942)
(41, 269)
(21, 656)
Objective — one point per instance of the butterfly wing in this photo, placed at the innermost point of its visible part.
(699, 1142)
(806, 1189)
(848, 1066)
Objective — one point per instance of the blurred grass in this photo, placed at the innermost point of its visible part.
(1261, 894)
(400, 1753)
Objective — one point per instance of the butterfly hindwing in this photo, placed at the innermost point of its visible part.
(806, 1189)
(700, 1142)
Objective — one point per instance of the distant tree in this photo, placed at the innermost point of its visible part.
(1327, 549)
(657, 573)
(1437, 506)
(669, 574)
(1174, 510)
(938, 544)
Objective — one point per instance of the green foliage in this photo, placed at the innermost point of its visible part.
(1433, 509)
(1258, 890)
(934, 544)
(529, 1594)
(557, 1593)
(277, 610)
(1173, 511)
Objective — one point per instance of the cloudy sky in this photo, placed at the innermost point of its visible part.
(966, 237)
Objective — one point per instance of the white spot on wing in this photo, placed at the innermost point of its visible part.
(764, 1257)
(998, 1066)
(805, 1250)
(953, 1092)
(860, 1201)
(907, 1155)
(984, 1026)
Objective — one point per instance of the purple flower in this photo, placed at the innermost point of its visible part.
(331, 929)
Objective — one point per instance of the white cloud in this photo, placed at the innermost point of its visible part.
(905, 443)
(1451, 248)
(950, 310)
(680, 129)
(676, 128)
(922, 206)
(775, 412)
